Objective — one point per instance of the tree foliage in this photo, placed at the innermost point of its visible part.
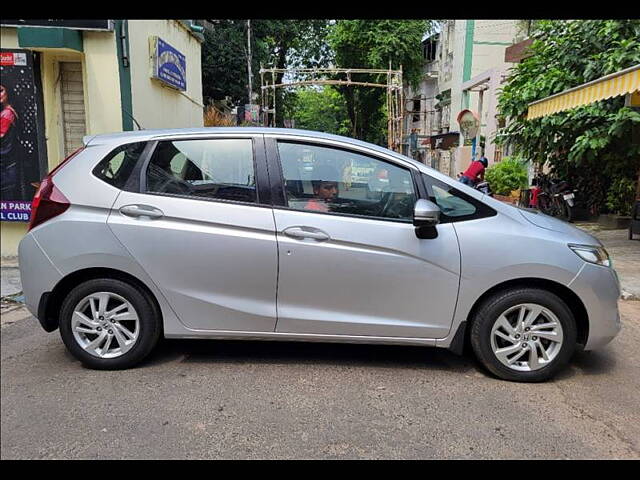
(224, 62)
(274, 43)
(590, 146)
(375, 44)
(322, 109)
(291, 44)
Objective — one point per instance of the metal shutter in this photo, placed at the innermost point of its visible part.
(72, 105)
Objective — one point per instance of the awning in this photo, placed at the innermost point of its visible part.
(614, 85)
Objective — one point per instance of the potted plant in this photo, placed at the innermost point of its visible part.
(507, 178)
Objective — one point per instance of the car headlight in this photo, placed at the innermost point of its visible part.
(591, 254)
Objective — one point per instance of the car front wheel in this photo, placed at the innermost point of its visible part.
(524, 335)
(109, 324)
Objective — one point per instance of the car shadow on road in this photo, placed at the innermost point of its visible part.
(598, 362)
(358, 355)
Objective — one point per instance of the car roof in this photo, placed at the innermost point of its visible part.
(142, 135)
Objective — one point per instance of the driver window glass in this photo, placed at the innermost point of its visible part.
(220, 169)
(330, 180)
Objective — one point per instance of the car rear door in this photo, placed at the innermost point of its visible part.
(202, 227)
(357, 269)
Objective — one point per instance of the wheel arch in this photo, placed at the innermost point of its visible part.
(66, 284)
(567, 295)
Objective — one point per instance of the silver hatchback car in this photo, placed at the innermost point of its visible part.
(279, 234)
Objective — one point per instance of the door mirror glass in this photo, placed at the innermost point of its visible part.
(426, 213)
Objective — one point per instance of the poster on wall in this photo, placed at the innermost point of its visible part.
(169, 64)
(20, 145)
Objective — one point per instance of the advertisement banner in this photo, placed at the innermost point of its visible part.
(20, 131)
(169, 65)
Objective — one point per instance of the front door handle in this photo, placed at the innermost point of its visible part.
(141, 211)
(306, 232)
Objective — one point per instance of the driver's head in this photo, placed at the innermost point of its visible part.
(325, 182)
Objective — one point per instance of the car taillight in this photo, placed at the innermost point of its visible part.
(49, 201)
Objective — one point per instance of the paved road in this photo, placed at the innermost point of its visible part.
(226, 399)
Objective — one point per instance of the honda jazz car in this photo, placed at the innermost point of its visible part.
(277, 234)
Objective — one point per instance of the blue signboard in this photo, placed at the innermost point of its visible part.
(170, 66)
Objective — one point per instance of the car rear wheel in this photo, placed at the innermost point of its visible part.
(524, 335)
(108, 324)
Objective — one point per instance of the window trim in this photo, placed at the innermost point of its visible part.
(259, 167)
(482, 209)
(274, 152)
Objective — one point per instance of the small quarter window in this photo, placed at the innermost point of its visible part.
(116, 167)
(455, 205)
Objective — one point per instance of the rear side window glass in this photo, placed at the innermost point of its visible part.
(216, 169)
(116, 167)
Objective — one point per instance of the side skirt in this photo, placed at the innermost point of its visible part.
(300, 337)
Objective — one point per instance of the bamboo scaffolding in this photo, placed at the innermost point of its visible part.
(395, 95)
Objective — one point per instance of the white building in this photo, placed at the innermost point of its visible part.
(461, 58)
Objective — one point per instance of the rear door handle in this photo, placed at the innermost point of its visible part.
(141, 211)
(306, 232)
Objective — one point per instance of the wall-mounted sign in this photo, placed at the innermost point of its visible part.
(469, 124)
(169, 65)
(22, 151)
(73, 24)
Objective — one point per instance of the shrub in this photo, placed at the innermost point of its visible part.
(620, 196)
(509, 174)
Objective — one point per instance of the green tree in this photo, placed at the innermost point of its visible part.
(322, 109)
(375, 44)
(590, 146)
(291, 44)
(274, 43)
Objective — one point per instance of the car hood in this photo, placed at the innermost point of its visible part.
(550, 223)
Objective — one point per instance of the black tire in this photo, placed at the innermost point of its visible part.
(494, 306)
(148, 315)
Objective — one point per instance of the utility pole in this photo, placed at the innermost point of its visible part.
(249, 65)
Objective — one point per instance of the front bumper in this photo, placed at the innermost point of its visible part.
(599, 289)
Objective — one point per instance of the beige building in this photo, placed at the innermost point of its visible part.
(103, 76)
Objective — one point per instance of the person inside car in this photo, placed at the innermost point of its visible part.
(325, 188)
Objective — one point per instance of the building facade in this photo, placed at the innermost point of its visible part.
(69, 78)
(462, 58)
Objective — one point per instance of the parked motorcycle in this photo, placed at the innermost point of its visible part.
(555, 198)
(484, 188)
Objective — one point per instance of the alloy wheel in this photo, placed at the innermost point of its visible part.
(526, 337)
(105, 325)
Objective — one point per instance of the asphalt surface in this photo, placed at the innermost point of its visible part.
(268, 400)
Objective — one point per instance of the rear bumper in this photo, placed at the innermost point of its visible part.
(599, 289)
(38, 277)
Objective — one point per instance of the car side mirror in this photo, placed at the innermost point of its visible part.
(426, 215)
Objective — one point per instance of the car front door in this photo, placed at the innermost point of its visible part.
(202, 228)
(349, 259)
